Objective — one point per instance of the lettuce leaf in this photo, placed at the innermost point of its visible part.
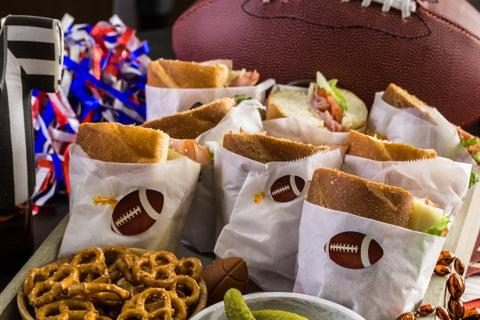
(438, 228)
(331, 87)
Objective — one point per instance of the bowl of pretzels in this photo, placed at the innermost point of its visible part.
(114, 283)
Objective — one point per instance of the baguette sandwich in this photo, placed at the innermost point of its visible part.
(324, 106)
(172, 73)
(371, 147)
(263, 148)
(337, 190)
(115, 142)
(191, 123)
(402, 99)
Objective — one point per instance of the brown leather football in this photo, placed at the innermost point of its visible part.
(223, 274)
(433, 53)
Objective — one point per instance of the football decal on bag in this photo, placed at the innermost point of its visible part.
(286, 188)
(353, 250)
(137, 211)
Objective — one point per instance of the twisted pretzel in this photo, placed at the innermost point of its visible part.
(57, 278)
(153, 303)
(187, 290)
(191, 266)
(119, 261)
(156, 269)
(102, 293)
(69, 309)
(179, 306)
(36, 275)
(91, 265)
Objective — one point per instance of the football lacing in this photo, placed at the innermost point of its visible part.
(281, 190)
(341, 247)
(131, 214)
(406, 6)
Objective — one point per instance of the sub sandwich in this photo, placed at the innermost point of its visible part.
(324, 105)
(371, 147)
(263, 148)
(337, 190)
(173, 73)
(400, 98)
(191, 123)
(115, 142)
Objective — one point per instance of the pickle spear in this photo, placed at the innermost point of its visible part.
(235, 306)
(237, 309)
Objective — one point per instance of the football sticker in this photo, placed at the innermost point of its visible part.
(137, 212)
(353, 250)
(286, 188)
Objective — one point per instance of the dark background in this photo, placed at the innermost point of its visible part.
(139, 14)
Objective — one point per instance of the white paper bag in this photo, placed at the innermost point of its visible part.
(397, 282)
(441, 180)
(167, 101)
(259, 228)
(431, 131)
(384, 288)
(201, 230)
(98, 188)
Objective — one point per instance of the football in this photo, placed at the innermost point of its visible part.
(223, 274)
(353, 250)
(287, 188)
(137, 212)
(430, 47)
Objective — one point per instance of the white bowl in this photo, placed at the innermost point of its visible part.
(305, 305)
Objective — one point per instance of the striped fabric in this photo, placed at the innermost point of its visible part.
(31, 57)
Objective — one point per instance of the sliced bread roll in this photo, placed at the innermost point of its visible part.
(289, 103)
(366, 146)
(115, 142)
(191, 123)
(401, 98)
(340, 191)
(263, 148)
(171, 73)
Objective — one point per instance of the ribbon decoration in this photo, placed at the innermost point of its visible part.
(104, 77)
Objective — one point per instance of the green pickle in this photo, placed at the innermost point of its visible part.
(235, 306)
(237, 309)
(268, 314)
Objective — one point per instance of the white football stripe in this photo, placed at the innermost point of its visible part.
(294, 185)
(364, 251)
(142, 194)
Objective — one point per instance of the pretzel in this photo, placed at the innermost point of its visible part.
(36, 275)
(114, 283)
(52, 282)
(91, 265)
(179, 306)
(156, 269)
(187, 290)
(119, 261)
(153, 303)
(102, 293)
(67, 310)
(191, 266)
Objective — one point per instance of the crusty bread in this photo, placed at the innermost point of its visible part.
(115, 142)
(191, 123)
(340, 191)
(171, 73)
(289, 103)
(263, 148)
(366, 146)
(401, 98)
